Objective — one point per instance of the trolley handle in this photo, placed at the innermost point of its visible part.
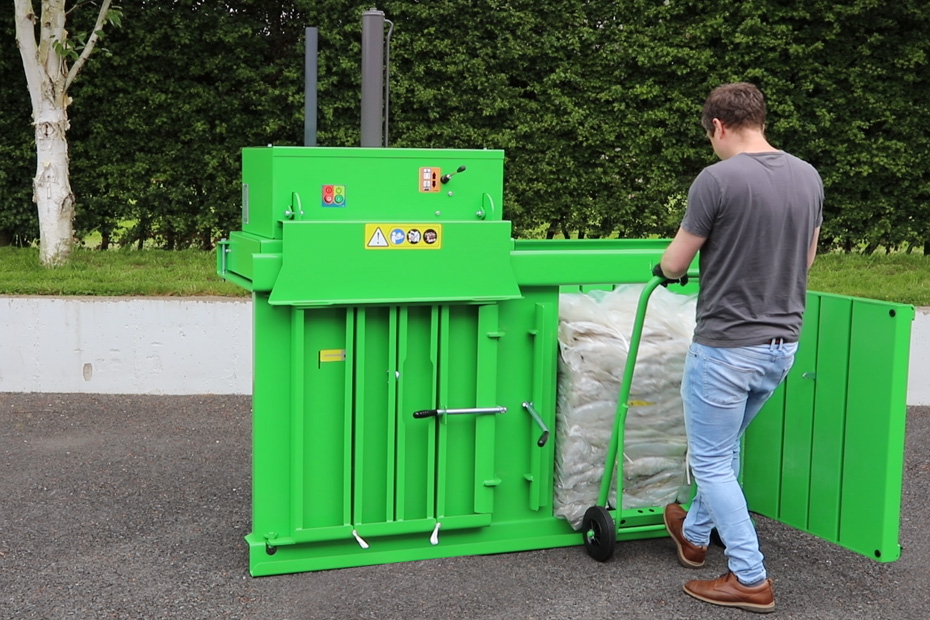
(616, 437)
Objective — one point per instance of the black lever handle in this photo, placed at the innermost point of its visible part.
(446, 177)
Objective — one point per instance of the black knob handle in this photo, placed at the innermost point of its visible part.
(446, 177)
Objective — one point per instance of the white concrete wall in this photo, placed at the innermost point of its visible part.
(918, 376)
(115, 345)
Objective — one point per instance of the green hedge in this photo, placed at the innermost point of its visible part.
(595, 102)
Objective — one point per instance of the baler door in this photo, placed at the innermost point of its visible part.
(425, 418)
(826, 455)
(455, 410)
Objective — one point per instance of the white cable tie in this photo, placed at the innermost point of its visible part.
(687, 466)
(434, 537)
(361, 541)
(627, 458)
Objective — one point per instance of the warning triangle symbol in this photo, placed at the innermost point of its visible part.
(378, 240)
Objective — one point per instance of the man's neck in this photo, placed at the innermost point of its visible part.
(746, 141)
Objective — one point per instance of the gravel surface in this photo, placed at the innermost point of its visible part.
(136, 506)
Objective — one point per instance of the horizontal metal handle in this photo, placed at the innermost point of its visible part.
(429, 413)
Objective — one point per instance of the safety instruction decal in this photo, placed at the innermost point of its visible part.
(403, 236)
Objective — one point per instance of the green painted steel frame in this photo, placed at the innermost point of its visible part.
(349, 342)
(391, 481)
(343, 475)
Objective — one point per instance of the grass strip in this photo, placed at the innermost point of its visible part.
(903, 278)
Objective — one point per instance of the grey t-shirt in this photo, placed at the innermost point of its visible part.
(758, 212)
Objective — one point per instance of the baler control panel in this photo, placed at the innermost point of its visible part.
(334, 196)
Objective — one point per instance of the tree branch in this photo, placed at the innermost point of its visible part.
(91, 43)
(78, 5)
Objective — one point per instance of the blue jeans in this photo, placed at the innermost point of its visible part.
(722, 391)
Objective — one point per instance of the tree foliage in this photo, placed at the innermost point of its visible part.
(19, 222)
(596, 104)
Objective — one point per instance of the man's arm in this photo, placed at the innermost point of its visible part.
(812, 250)
(679, 254)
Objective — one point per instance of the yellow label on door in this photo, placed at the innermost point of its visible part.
(332, 355)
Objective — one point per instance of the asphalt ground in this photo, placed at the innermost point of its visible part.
(136, 506)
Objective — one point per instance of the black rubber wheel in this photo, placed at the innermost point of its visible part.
(599, 532)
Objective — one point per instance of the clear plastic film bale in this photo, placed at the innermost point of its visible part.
(594, 340)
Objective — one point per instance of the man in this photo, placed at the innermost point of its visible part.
(755, 216)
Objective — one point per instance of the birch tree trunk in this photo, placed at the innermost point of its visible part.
(52, 184)
(42, 41)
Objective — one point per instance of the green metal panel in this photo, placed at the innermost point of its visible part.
(761, 459)
(320, 434)
(585, 261)
(282, 184)
(358, 463)
(374, 415)
(828, 456)
(529, 331)
(258, 181)
(455, 483)
(251, 262)
(797, 401)
(329, 264)
(486, 375)
(829, 381)
(271, 422)
(877, 383)
(418, 338)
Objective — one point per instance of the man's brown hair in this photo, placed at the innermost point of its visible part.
(738, 106)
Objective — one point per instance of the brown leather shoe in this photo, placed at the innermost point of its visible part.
(729, 592)
(689, 555)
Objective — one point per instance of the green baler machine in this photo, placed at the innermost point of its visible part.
(405, 357)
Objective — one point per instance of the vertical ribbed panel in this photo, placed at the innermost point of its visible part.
(374, 414)
(417, 346)
(826, 483)
(321, 405)
(826, 454)
(457, 384)
(486, 371)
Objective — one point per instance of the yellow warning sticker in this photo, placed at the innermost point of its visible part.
(403, 236)
(332, 355)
